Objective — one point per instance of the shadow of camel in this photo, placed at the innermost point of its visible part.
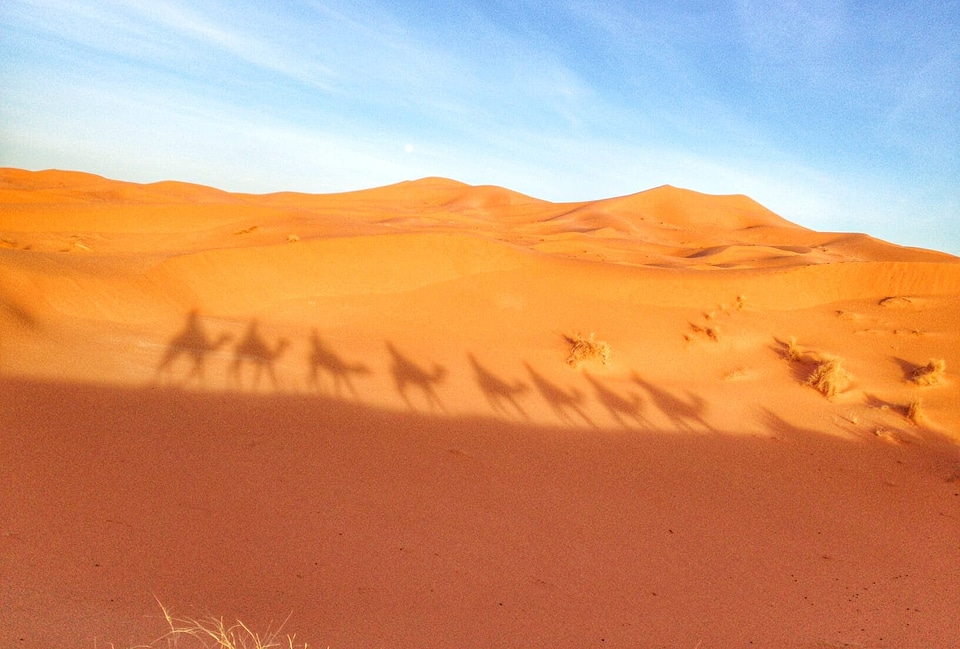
(562, 402)
(617, 405)
(498, 392)
(686, 413)
(406, 373)
(193, 344)
(253, 349)
(324, 360)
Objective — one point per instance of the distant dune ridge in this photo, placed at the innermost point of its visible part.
(450, 415)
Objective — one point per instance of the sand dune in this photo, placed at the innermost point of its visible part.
(356, 409)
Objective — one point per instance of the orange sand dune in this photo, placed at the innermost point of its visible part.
(357, 410)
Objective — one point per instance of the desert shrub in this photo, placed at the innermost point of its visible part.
(583, 350)
(933, 373)
(915, 411)
(793, 352)
(830, 378)
(213, 633)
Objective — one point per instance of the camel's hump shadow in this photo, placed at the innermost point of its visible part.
(193, 345)
(565, 403)
(408, 373)
(253, 350)
(501, 394)
(323, 360)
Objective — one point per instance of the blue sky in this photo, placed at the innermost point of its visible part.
(841, 116)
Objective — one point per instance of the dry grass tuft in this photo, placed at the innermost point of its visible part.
(793, 353)
(830, 378)
(213, 633)
(584, 350)
(933, 373)
(915, 412)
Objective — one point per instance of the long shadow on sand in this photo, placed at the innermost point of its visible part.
(191, 345)
(622, 409)
(324, 361)
(565, 402)
(502, 395)
(686, 413)
(407, 373)
(254, 350)
(359, 523)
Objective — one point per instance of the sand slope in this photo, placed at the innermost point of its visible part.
(356, 409)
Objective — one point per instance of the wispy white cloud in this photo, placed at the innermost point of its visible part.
(171, 34)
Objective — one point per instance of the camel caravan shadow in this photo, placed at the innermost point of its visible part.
(184, 360)
(254, 351)
(501, 395)
(253, 363)
(193, 346)
(324, 361)
(565, 403)
(407, 373)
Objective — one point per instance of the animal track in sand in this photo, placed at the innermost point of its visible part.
(900, 302)
(711, 333)
(741, 374)
(849, 315)
(889, 332)
(881, 327)
(709, 330)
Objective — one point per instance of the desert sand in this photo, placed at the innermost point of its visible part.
(353, 415)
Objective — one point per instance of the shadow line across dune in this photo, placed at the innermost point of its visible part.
(253, 506)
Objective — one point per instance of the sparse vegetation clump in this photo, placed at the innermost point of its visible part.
(830, 378)
(933, 373)
(214, 633)
(915, 412)
(793, 353)
(584, 350)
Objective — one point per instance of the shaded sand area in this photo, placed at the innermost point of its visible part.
(355, 414)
